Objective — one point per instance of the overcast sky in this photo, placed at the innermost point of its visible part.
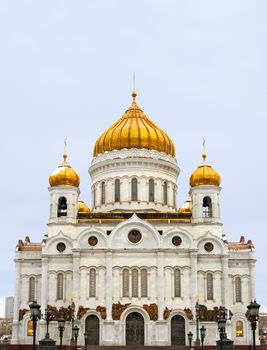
(66, 71)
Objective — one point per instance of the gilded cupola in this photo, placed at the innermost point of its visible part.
(64, 175)
(186, 207)
(134, 130)
(82, 207)
(205, 175)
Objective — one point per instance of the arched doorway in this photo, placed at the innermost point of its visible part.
(135, 329)
(92, 328)
(177, 330)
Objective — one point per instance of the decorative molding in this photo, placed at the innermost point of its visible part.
(152, 310)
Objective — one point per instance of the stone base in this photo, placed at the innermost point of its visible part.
(47, 344)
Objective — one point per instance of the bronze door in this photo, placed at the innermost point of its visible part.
(177, 330)
(135, 329)
(92, 328)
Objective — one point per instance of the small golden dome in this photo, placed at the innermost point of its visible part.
(205, 175)
(82, 207)
(134, 130)
(186, 207)
(64, 175)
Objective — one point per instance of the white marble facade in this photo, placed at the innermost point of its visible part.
(159, 272)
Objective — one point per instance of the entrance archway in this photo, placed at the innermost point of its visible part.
(177, 330)
(135, 329)
(92, 328)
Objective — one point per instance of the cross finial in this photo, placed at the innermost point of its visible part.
(204, 150)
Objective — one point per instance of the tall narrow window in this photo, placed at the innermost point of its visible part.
(177, 283)
(31, 289)
(239, 332)
(103, 193)
(206, 208)
(143, 283)
(125, 283)
(60, 286)
(134, 283)
(151, 189)
(62, 207)
(134, 189)
(117, 190)
(238, 290)
(92, 283)
(165, 193)
(209, 286)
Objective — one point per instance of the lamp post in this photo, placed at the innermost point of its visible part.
(35, 312)
(197, 342)
(190, 337)
(202, 335)
(47, 319)
(72, 309)
(253, 309)
(85, 338)
(61, 327)
(221, 328)
(75, 331)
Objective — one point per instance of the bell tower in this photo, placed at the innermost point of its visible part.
(205, 193)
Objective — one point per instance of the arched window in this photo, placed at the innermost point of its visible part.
(239, 330)
(125, 283)
(117, 190)
(30, 328)
(151, 189)
(177, 283)
(60, 286)
(143, 283)
(134, 283)
(165, 193)
(238, 290)
(103, 193)
(92, 283)
(62, 207)
(31, 289)
(209, 286)
(206, 207)
(134, 189)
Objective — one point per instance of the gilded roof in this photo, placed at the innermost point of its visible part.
(64, 175)
(134, 130)
(205, 175)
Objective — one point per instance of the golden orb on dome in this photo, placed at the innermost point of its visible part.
(205, 175)
(82, 207)
(64, 175)
(134, 130)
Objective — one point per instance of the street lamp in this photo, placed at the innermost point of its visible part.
(197, 342)
(253, 309)
(47, 319)
(72, 309)
(61, 327)
(202, 335)
(85, 338)
(221, 328)
(190, 337)
(75, 331)
(35, 312)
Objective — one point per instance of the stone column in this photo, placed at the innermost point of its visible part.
(225, 287)
(44, 296)
(252, 279)
(160, 285)
(108, 290)
(193, 279)
(76, 277)
(15, 325)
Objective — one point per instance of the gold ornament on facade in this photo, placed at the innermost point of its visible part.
(186, 207)
(64, 175)
(205, 175)
(134, 130)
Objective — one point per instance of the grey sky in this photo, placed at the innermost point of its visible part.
(66, 72)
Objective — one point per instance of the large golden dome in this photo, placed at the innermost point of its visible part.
(64, 175)
(134, 130)
(205, 175)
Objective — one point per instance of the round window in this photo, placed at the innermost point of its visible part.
(208, 247)
(134, 236)
(92, 241)
(61, 247)
(176, 240)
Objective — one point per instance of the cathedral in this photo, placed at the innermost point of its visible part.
(138, 270)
